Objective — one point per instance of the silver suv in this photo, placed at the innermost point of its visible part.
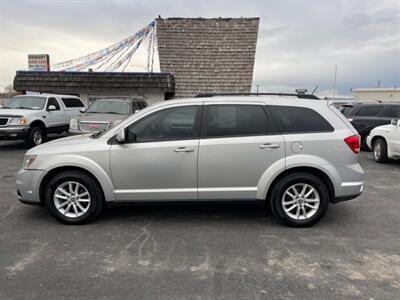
(298, 155)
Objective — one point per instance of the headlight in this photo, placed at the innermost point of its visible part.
(18, 121)
(28, 160)
(73, 124)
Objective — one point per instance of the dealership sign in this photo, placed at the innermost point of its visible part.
(38, 62)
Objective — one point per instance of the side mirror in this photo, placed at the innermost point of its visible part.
(136, 111)
(51, 107)
(395, 122)
(121, 135)
(82, 110)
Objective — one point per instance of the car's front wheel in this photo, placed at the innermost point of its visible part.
(299, 199)
(74, 197)
(36, 136)
(379, 151)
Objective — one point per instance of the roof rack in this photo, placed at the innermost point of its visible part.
(301, 96)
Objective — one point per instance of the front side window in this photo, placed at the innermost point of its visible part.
(26, 102)
(235, 120)
(53, 102)
(110, 107)
(299, 119)
(369, 111)
(175, 123)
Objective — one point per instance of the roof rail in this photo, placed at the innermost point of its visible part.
(302, 96)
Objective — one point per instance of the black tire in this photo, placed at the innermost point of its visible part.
(32, 138)
(364, 145)
(279, 189)
(94, 208)
(379, 151)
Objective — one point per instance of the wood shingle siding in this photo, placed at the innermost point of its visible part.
(208, 55)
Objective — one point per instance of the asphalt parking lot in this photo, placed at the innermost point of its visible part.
(202, 251)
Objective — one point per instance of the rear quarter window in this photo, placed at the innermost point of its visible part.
(292, 119)
(392, 111)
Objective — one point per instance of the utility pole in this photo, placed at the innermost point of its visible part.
(334, 84)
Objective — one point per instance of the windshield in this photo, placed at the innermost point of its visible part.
(110, 107)
(35, 103)
(135, 116)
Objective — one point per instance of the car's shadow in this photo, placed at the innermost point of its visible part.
(20, 144)
(200, 213)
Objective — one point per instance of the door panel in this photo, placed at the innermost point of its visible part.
(155, 171)
(55, 117)
(158, 160)
(230, 168)
(238, 147)
(394, 140)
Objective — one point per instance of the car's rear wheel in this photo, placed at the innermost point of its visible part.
(380, 153)
(36, 136)
(74, 197)
(299, 199)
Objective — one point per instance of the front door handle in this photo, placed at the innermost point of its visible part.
(268, 145)
(184, 149)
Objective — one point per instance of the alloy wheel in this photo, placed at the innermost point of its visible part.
(300, 201)
(37, 138)
(377, 151)
(72, 199)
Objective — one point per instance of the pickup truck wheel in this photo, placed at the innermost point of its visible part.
(380, 153)
(299, 199)
(35, 137)
(74, 197)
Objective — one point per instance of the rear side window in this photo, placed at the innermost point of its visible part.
(235, 120)
(393, 111)
(369, 111)
(72, 102)
(299, 119)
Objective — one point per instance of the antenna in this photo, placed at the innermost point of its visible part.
(316, 88)
(334, 84)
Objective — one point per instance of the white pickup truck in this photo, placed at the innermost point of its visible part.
(384, 141)
(32, 117)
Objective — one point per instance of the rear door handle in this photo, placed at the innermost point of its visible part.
(268, 145)
(184, 149)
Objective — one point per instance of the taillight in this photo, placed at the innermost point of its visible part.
(354, 143)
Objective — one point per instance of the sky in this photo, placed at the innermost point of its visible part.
(299, 42)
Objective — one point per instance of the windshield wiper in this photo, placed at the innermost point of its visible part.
(111, 112)
(97, 134)
(18, 107)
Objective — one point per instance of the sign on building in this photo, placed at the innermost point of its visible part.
(39, 62)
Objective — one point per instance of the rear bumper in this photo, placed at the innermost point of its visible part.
(77, 132)
(345, 198)
(348, 181)
(13, 132)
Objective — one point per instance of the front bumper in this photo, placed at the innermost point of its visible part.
(368, 141)
(78, 132)
(28, 184)
(13, 132)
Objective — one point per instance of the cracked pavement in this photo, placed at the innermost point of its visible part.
(202, 251)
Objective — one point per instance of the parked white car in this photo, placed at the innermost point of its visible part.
(32, 117)
(384, 141)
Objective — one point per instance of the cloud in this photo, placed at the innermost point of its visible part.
(300, 42)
